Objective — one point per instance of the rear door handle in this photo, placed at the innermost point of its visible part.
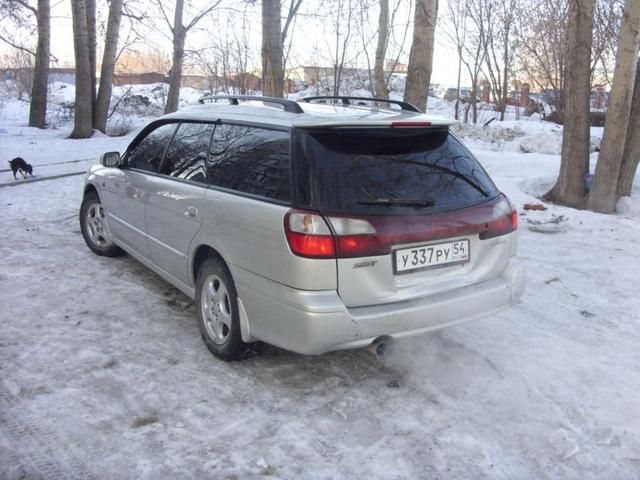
(191, 212)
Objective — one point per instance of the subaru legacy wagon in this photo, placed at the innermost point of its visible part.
(325, 224)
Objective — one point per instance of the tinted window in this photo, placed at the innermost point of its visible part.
(148, 153)
(388, 171)
(187, 155)
(250, 160)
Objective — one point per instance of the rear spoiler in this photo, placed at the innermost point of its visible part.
(346, 100)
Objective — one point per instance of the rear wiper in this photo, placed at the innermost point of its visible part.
(400, 202)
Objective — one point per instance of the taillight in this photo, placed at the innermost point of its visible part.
(313, 236)
(309, 235)
(504, 222)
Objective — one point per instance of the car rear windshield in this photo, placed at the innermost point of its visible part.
(387, 171)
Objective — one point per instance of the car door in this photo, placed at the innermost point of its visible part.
(125, 194)
(175, 203)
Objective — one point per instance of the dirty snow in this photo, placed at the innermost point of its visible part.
(103, 373)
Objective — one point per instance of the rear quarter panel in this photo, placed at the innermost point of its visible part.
(249, 235)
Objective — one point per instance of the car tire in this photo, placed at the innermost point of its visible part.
(95, 227)
(218, 317)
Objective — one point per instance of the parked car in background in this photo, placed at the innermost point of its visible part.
(451, 94)
(310, 226)
(435, 90)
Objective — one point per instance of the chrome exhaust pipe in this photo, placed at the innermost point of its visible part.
(381, 346)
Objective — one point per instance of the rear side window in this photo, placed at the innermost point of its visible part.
(388, 171)
(147, 154)
(250, 160)
(186, 157)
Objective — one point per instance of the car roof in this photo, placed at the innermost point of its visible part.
(314, 115)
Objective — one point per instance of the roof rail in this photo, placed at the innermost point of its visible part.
(347, 101)
(288, 105)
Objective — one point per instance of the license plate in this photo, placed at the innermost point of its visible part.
(431, 256)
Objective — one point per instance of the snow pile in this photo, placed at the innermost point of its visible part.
(440, 107)
(521, 136)
(630, 206)
(190, 96)
(489, 134)
(549, 143)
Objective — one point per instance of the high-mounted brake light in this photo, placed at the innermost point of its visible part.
(410, 124)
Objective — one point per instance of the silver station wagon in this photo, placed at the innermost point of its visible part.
(324, 224)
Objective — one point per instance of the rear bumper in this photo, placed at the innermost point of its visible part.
(317, 322)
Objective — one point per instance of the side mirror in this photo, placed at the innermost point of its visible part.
(110, 159)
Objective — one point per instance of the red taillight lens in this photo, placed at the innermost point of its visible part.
(505, 221)
(359, 246)
(309, 235)
(312, 246)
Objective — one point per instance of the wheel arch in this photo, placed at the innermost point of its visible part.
(89, 188)
(201, 253)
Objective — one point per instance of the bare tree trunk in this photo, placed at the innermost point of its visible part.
(421, 54)
(108, 66)
(457, 106)
(92, 43)
(175, 78)
(38, 107)
(505, 79)
(179, 32)
(474, 101)
(272, 73)
(288, 24)
(632, 145)
(603, 195)
(381, 51)
(570, 187)
(82, 121)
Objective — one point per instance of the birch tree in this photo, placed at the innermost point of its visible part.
(287, 29)
(603, 195)
(179, 33)
(92, 43)
(272, 71)
(500, 48)
(570, 187)
(21, 14)
(107, 68)
(83, 118)
(38, 107)
(455, 21)
(343, 33)
(381, 51)
(631, 155)
(421, 53)
(475, 50)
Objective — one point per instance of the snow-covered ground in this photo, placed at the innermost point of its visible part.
(103, 373)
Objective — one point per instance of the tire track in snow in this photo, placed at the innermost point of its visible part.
(52, 163)
(37, 447)
(41, 179)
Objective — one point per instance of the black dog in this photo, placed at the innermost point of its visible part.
(19, 165)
